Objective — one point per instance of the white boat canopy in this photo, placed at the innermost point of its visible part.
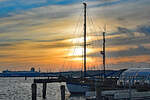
(136, 76)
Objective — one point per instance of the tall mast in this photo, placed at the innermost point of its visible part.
(103, 53)
(85, 5)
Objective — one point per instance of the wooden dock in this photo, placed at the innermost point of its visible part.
(44, 82)
(53, 80)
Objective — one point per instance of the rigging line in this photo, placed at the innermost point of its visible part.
(90, 29)
(91, 17)
(90, 23)
(94, 29)
(99, 27)
(80, 41)
(93, 24)
(93, 33)
(96, 38)
(78, 31)
(77, 41)
(89, 36)
(93, 44)
(76, 26)
(78, 21)
(82, 61)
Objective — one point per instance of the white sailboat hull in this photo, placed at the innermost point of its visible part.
(77, 88)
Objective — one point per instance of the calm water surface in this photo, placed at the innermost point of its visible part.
(20, 89)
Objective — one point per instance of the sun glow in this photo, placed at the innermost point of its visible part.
(81, 59)
(77, 53)
(81, 39)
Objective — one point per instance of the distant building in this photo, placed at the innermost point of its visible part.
(7, 71)
(32, 72)
(32, 69)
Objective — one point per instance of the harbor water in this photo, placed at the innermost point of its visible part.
(20, 89)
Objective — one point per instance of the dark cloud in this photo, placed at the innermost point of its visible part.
(128, 41)
(131, 52)
(14, 56)
(4, 55)
(144, 29)
(123, 30)
(125, 53)
(120, 19)
(105, 3)
(131, 39)
(8, 56)
(52, 40)
(54, 45)
(5, 44)
(14, 40)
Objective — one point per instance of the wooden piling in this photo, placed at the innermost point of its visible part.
(34, 91)
(98, 92)
(62, 88)
(44, 90)
(25, 78)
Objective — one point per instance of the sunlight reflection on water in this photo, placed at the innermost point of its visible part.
(20, 89)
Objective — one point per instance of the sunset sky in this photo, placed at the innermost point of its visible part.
(48, 34)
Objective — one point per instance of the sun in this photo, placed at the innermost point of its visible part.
(76, 51)
(79, 51)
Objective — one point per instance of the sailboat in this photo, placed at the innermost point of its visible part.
(83, 84)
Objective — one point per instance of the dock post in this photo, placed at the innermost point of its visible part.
(34, 91)
(98, 92)
(25, 78)
(62, 88)
(130, 90)
(44, 90)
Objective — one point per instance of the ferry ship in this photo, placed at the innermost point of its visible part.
(31, 73)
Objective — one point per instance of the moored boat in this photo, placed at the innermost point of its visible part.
(84, 84)
(77, 88)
